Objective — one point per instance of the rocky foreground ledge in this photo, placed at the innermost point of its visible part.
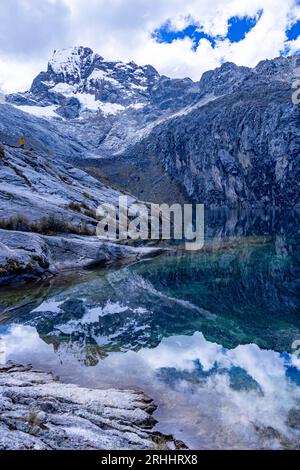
(37, 412)
(30, 256)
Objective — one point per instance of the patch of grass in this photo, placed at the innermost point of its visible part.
(74, 206)
(82, 208)
(50, 225)
(2, 152)
(13, 266)
(43, 262)
(90, 213)
(19, 223)
(160, 443)
(84, 205)
(32, 418)
(35, 423)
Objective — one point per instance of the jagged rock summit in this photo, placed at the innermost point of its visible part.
(78, 80)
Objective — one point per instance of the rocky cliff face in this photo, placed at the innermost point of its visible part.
(231, 139)
(241, 147)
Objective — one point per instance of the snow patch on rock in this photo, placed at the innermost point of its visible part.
(40, 111)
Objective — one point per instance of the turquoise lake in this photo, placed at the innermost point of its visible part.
(211, 336)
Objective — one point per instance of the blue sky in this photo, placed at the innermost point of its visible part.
(179, 37)
(165, 35)
(294, 31)
(238, 28)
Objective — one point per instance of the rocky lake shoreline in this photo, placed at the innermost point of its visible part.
(40, 413)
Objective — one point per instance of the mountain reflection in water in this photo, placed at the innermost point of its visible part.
(208, 335)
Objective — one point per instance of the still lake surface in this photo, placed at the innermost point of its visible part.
(209, 335)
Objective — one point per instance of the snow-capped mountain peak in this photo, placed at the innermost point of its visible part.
(79, 81)
(71, 62)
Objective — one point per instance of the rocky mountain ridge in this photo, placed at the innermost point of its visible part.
(232, 139)
(78, 81)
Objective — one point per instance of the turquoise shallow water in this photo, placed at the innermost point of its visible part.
(209, 335)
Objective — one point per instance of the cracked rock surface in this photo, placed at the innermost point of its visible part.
(38, 412)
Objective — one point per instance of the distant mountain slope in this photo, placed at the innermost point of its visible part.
(48, 216)
(104, 103)
(242, 147)
(36, 188)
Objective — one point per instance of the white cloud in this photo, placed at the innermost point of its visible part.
(122, 29)
(16, 74)
(294, 46)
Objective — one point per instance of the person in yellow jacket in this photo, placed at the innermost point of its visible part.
(22, 142)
